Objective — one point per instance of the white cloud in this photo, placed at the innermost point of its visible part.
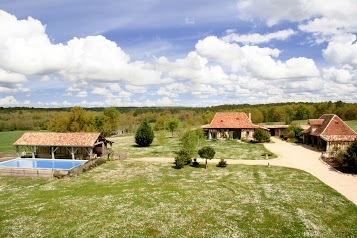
(193, 68)
(173, 90)
(259, 38)
(25, 49)
(136, 89)
(255, 61)
(341, 75)
(315, 16)
(165, 101)
(341, 50)
(82, 94)
(8, 101)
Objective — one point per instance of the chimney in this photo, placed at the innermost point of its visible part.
(250, 116)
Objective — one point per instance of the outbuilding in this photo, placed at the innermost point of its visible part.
(329, 132)
(76, 145)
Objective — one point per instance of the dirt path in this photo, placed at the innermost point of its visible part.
(299, 157)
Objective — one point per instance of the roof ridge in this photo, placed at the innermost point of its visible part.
(328, 124)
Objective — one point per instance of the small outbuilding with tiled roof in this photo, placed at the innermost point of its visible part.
(328, 132)
(231, 125)
(77, 145)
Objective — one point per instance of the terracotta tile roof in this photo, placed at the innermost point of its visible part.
(79, 139)
(333, 128)
(231, 120)
(315, 122)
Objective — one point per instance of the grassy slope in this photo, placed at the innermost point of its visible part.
(224, 149)
(352, 124)
(133, 199)
(7, 138)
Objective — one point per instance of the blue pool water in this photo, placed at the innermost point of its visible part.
(42, 163)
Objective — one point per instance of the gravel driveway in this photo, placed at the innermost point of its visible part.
(300, 157)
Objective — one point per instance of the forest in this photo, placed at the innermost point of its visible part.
(106, 120)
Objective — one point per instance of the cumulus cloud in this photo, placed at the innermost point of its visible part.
(339, 75)
(193, 68)
(255, 61)
(8, 101)
(25, 49)
(341, 50)
(258, 38)
(315, 16)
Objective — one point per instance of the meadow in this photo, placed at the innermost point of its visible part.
(231, 149)
(138, 199)
(7, 138)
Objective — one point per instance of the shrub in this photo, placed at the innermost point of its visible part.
(222, 163)
(294, 132)
(144, 135)
(184, 156)
(350, 158)
(261, 135)
(179, 162)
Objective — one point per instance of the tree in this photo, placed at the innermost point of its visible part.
(144, 135)
(191, 140)
(261, 135)
(207, 152)
(172, 125)
(350, 157)
(76, 120)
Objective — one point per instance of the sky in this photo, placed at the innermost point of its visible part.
(93, 53)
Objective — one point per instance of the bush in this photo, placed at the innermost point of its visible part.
(294, 133)
(185, 156)
(144, 135)
(222, 163)
(261, 135)
(350, 158)
(179, 162)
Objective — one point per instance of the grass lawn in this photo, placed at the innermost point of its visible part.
(7, 138)
(224, 149)
(352, 124)
(136, 199)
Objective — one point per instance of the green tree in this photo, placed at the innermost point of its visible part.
(207, 152)
(350, 157)
(294, 132)
(172, 125)
(191, 140)
(261, 135)
(79, 120)
(160, 123)
(144, 135)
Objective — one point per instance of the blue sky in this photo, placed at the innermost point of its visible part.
(176, 53)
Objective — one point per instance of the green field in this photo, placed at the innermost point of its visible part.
(137, 199)
(352, 124)
(230, 149)
(7, 138)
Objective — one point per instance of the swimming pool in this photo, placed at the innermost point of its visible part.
(61, 164)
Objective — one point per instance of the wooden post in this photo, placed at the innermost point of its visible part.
(72, 153)
(32, 152)
(17, 152)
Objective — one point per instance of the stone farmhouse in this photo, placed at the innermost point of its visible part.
(231, 125)
(329, 132)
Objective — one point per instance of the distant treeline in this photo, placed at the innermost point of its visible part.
(127, 118)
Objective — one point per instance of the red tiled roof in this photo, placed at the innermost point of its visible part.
(334, 128)
(78, 139)
(231, 120)
(315, 122)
